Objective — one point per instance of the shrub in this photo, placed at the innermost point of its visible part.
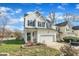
(78, 40)
(70, 38)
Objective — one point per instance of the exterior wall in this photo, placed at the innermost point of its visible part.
(69, 31)
(62, 28)
(39, 32)
(47, 32)
(76, 32)
(61, 32)
(36, 17)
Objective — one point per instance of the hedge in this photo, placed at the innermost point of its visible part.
(71, 38)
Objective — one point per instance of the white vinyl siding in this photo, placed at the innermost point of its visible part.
(46, 36)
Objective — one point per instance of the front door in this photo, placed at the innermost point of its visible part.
(28, 36)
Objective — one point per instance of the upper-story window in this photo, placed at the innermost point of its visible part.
(67, 29)
(31, 22)
(58, 29)
(41, 24)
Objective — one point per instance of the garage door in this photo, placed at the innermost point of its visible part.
(47, 38)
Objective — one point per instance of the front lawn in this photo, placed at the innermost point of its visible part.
(13, 47)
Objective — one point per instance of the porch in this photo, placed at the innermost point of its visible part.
(30, 35)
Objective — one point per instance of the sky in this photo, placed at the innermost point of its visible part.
(15, 11)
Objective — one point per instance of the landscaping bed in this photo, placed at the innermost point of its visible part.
(13, 48)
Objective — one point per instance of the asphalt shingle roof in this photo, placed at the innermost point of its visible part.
(75, 27)
(62, 24)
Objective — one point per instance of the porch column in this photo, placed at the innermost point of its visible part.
(45, 25)
(55, 38)
(31, 37)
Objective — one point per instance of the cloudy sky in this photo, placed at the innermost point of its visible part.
(16, 11)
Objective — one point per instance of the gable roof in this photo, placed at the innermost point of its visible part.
(75, 28)
(37, 14)
(62, 24)
(40, 15)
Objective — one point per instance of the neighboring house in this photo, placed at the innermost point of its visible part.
(76, 30)
(38, 29)
(64, 30)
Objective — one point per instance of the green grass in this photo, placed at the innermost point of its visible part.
(13, 47)
(17, 41)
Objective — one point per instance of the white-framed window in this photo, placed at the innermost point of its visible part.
(67, 29)
(31, 22)
(58, 29)
(41, 24)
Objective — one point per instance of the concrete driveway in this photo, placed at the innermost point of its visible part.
(56, 45)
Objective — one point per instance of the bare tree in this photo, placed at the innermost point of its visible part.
(52, 17)
(70, 18)
(3, 23)
(18, 34)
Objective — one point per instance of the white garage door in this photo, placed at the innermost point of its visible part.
(47, 38)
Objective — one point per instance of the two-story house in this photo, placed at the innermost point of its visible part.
(38, 29)
(64, 30)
